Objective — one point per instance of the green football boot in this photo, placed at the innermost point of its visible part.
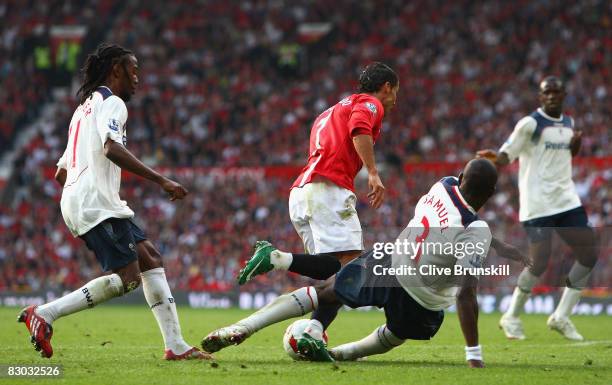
(259, 262)
(313, 349)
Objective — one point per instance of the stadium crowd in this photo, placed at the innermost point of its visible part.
(206, 238)
(33, 59)
(239, 84)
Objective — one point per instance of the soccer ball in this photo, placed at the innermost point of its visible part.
(292, 334)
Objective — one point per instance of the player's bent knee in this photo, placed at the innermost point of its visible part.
(539, 267)
(325, 294)
(328, 299)
(589, 259)
(148, 256)
(154, 255)
(590, 254)
(321, 287)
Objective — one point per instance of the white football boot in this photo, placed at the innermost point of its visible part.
(565, 327)
(224, 337)
(512, 327)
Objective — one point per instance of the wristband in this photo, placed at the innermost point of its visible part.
(473, 353)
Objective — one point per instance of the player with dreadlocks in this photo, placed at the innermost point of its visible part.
(90, 174)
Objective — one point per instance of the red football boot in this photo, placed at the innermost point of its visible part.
(39, 329)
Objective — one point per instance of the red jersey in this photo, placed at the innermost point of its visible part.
(332, 153)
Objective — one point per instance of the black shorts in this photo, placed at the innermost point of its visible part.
(113, 241)
(406, 318)
(540, 229)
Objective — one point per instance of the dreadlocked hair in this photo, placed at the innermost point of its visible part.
(98, 66)
(375, 75)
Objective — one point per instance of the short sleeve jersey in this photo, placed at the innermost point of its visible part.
(91, 190)
(542, 145)
(332, 153)
(447, 232)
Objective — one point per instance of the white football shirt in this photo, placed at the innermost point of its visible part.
(541, 144)
(445, 225)
(91, 191)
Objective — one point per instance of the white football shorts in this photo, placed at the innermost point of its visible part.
(325, 217)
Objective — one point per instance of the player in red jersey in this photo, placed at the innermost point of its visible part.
(322, 199)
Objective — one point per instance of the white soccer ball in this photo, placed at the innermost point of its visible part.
(292, 334)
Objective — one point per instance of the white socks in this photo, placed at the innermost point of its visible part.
(158, 296)
(569, 299)
(380, 341)
(577, 278)
(290, 305)
(281, 260)
(94, 292)
(156, 291)
(315, 329)
(519, 297)
(525, 282)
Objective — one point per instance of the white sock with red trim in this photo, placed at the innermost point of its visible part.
(289, 305)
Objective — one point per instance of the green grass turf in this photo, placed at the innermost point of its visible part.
(122, 345)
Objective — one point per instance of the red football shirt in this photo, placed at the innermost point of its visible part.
(332, 153)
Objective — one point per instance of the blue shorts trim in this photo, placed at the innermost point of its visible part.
(541, 229)
(355, 286)
(113, 241)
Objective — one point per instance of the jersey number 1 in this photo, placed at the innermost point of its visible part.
(74, 142)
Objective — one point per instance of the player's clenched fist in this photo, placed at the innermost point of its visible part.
(175, 190)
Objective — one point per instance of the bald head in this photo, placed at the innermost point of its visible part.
(478, 181)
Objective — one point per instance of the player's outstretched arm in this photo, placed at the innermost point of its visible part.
(508, 251)
(514, 146)
(500, 159)
(467, 309)
(365, 149)
(123, 158)
(60, 175)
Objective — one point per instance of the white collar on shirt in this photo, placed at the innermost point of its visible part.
(541, 112)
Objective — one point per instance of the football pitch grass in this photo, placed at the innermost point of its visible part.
(122, 345)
